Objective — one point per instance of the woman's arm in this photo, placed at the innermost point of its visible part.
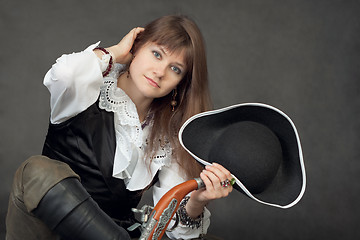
(73, 82)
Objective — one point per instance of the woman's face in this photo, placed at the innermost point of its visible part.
(155, 71)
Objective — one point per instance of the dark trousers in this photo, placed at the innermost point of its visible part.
(32, 181)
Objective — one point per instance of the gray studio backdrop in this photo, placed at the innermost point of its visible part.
(300, 56)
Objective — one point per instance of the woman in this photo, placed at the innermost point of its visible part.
(115, 114)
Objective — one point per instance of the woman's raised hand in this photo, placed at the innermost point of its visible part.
(121, 51)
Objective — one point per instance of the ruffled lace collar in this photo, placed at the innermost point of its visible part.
(114, 99)
(131, 137)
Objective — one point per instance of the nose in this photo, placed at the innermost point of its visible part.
(159, 69)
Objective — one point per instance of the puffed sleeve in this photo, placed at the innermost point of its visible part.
(74, 83)
(168, 178)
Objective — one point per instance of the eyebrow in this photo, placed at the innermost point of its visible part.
(163, 50)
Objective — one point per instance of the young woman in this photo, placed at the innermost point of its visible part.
(115, 115)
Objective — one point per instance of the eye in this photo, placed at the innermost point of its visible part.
(156, 54)
(176, 69)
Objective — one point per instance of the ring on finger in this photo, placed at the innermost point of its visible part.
(225, 183)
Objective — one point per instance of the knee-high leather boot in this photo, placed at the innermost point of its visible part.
(70, 212)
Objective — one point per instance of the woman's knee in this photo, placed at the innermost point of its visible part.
(37, 175)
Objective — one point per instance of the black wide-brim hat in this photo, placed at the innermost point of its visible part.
(257, 143)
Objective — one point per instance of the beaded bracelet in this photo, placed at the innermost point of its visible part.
(185, 219)
(109, 67)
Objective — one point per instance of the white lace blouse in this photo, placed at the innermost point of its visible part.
(75, 82)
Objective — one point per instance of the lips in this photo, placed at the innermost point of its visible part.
(152, 82)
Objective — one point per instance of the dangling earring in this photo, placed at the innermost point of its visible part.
(173, 102)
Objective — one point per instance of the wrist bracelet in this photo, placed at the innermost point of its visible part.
(109, 67)
(185, 219)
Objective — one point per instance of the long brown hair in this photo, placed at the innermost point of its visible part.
(178, 33)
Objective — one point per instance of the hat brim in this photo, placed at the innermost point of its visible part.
(289, 184)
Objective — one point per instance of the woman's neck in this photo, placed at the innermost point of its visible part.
(142, 103)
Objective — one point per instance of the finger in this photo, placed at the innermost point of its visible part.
(215, 180)
(121, 51)
(224, 170)
(136, 31)
(215, 189)
(206, 180)
(130, 37)
(224, 175)
(139, 30)
(226, 191)
(218, 172)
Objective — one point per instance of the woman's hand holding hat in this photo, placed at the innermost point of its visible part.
(214, 176)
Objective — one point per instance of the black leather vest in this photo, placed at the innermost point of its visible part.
(87, 144)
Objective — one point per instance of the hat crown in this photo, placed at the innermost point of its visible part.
(251, 149)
